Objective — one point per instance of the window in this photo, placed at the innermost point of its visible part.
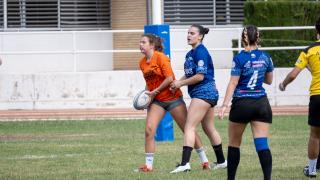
(55, 14)
(206, 12)
(85, 14)
(32, 14)
(1, 13)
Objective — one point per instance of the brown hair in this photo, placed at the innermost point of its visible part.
(154, 40)
(250, 35)
(202, 30)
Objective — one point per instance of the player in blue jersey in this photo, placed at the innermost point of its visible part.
(250, 69)
(199, 77)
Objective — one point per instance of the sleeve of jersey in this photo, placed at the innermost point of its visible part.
(302, 61)
(201, 61)
(236, 67)
(270, 66)
(165, 66)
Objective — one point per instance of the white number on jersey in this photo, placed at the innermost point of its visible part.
(253, 80)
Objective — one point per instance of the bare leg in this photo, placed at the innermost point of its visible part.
(179, 114)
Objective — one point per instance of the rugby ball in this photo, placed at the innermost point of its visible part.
(141, 100)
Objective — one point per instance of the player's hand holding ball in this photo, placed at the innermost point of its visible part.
(153, 93)
(141, 100)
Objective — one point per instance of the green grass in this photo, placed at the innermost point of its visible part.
(112, 149)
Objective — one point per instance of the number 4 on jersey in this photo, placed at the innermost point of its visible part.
(253, 80)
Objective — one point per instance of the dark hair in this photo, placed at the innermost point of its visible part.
(154, 40)
(202, 30)
(250, 35)
(318, 25)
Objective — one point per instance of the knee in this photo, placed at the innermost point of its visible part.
(149, 132)
(189, 128)
(315, 134)
(261, 143)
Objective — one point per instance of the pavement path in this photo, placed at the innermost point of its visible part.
(128, 113)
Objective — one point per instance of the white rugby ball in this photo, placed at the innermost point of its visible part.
(141, 100)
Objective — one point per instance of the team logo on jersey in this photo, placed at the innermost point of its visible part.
(298, 61)
(233, 65)
(253, 56)
(200, 63)
(248, 64)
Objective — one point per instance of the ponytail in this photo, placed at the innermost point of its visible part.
(202, 30)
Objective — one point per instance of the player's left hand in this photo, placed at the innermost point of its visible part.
(223, 109)
(281, 87)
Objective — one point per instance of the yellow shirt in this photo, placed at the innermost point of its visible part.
(311, 56)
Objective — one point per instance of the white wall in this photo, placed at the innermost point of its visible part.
(37, 52)
(115, 89)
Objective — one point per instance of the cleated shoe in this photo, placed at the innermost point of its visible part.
(180, 168)
(308, 174)
(206, 166)
(223, 165)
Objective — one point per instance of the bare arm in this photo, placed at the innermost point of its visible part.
(187, 81)
(289, 78)
(229, 93)
(162, 86)
(268, 77)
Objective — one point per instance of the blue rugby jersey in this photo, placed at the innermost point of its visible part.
(199, 61)
(251, 67)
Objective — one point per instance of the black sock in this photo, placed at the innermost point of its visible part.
(265, 158)
(233, 161)
(186, 154)
(219, 153)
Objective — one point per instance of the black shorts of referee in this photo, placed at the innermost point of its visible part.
(314, 111)
(244, 110)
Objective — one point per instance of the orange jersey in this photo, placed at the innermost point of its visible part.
(155, 72)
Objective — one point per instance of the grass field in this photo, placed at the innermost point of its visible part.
(112, 149)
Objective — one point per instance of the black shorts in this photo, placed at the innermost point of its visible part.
(244, 110)
(314, 111)
(169, 105)
(212, 103)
